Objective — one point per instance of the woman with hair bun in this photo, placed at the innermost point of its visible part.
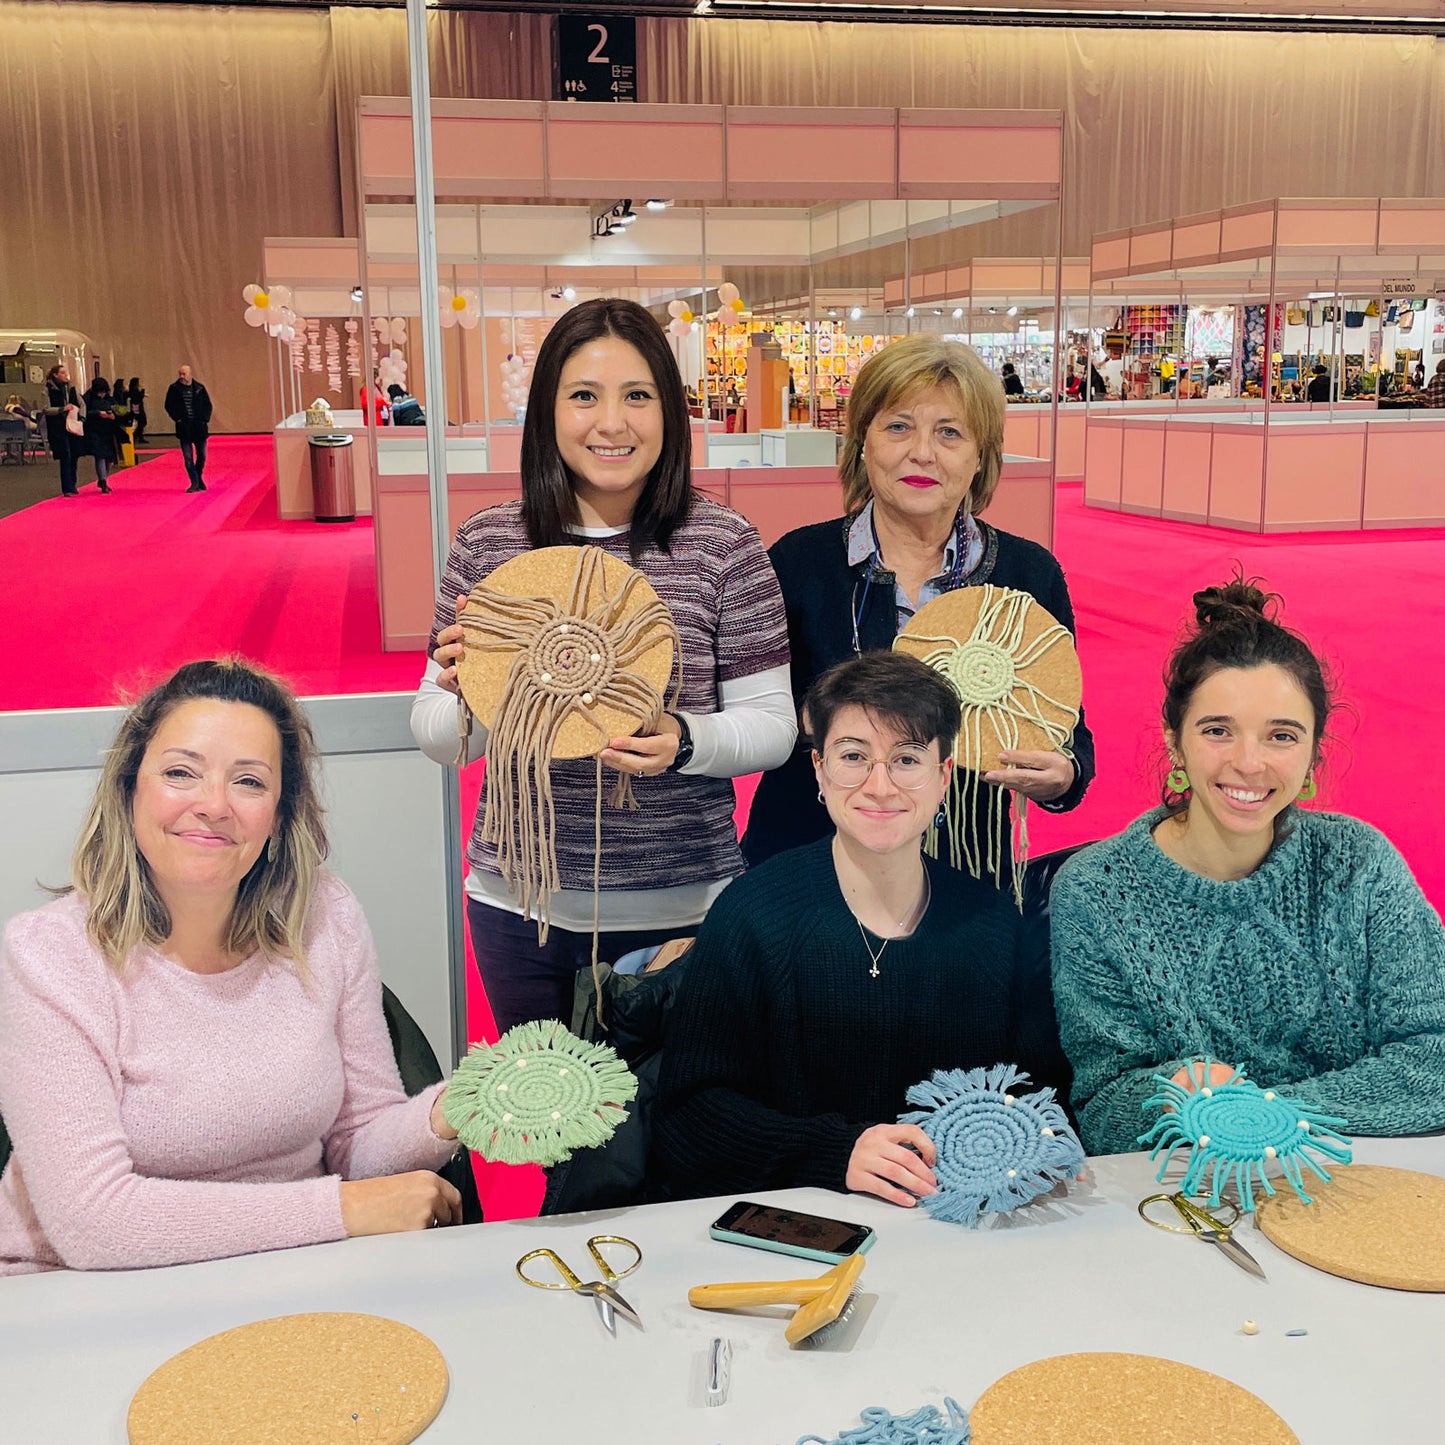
(1234, 925)
(194, 1061)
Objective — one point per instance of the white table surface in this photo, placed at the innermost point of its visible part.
(954, 1310)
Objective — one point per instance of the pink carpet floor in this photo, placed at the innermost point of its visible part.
(100, 595)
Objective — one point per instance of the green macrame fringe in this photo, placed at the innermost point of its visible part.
(506, 1115)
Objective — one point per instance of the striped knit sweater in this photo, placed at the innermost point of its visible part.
(782, 1049)
(724, 598)
(1321, 974)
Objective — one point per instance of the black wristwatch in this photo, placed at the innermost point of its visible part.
(684, 744)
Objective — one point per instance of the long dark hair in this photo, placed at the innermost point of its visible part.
(99, 387)
(549, 502)
(1236, 626)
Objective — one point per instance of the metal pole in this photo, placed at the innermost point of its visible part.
(436, 465)
(813, 348)
(721, 341)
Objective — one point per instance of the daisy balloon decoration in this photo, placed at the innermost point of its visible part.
(461, 307)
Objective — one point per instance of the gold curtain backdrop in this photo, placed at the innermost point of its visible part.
(152, 147)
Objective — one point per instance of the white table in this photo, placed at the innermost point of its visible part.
(955, 1309)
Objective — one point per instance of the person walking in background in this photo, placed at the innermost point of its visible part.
(63, 406)
(136, 395)
(1013, 384)
(102, 431)
(1319, 387)
(188, 404)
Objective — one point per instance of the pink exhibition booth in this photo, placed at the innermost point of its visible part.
(751, 194)
(1262, 465)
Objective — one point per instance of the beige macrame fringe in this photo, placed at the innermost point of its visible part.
(986, 671)
(519, 820)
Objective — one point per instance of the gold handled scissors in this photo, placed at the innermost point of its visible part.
(609, 1303)
(1203, 1225)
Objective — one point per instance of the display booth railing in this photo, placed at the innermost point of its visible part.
(524, 228)
(1265, 465)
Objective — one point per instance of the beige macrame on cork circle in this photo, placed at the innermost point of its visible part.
(566, 649)
(1018, 679)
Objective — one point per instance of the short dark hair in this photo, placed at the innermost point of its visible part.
(549, 501)
(1236, 627)
(1008, 368)
(395, 390)
(891, 687)
(100, 386)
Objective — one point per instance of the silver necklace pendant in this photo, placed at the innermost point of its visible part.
(902, 926)
(872, 972)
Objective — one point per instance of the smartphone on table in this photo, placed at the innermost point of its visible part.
(788, 1231)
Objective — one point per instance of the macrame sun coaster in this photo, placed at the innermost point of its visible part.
(1234, 1131)
(537, 1094)
(566, 649)
(1017, 676)
(996, 1149)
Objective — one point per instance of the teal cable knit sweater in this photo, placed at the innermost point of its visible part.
(1322, 973)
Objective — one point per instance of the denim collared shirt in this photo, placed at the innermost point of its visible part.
(863, 544)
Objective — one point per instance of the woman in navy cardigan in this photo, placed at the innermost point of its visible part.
(921, 460)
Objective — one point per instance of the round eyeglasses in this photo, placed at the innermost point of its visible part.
(847, 765)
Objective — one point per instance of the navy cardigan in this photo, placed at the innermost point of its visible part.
(821, 592)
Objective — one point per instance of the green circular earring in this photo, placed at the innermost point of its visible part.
(1307, 792)
(1177, 781)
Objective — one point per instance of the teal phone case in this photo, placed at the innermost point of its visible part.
(778, 1247)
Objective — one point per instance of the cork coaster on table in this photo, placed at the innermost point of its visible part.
(573, 652)
(1373, 1224)
(995, 646)
(313, 1379)
(1106, 1399)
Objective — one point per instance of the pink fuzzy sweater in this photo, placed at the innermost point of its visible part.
(163, 1116)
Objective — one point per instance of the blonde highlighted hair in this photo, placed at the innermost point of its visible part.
(899, 372)
(109, 872)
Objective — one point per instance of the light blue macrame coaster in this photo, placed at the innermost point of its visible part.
(996, 1149)
(927, 1425)
(537, 1094)
(1234, 1130)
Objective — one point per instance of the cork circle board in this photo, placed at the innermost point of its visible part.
(564, 648)
(1376, 1225)
(998, 666)
(1104, 1399)
(306, 1379)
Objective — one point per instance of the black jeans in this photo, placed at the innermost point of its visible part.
(66, 450)
(193, 452)
(526, 980)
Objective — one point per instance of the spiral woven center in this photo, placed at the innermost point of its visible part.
(541, 1088)
(1244, 1124)
(981, 1139)
(569, 658)
(981, 672)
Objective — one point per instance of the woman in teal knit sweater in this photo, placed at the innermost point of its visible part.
(1234, 926)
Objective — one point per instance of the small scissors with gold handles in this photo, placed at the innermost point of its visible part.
(1203, 1225)
(609, 1303)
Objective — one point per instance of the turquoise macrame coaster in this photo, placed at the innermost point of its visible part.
(1234, 1130)
(927, 1425)
(537, 1094)
(996, 1149)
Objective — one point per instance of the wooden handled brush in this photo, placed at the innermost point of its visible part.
(821, 1300)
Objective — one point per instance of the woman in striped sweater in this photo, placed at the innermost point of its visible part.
(606, 462)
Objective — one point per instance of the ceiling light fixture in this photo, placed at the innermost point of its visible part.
(703, 7)
(658, 205)
(356, 294)
(569, 293)
(909, 312)
(1013, 311)
(856, 313)
(957, 312)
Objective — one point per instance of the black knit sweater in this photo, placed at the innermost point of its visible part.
(781, 1049)
(820, 593)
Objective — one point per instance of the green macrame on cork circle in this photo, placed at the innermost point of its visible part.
(537, 1094)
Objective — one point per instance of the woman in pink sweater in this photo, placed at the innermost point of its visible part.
(193, 1057)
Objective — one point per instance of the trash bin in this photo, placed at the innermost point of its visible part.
(333, 483)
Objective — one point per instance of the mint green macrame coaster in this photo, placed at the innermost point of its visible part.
(537, 1094)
